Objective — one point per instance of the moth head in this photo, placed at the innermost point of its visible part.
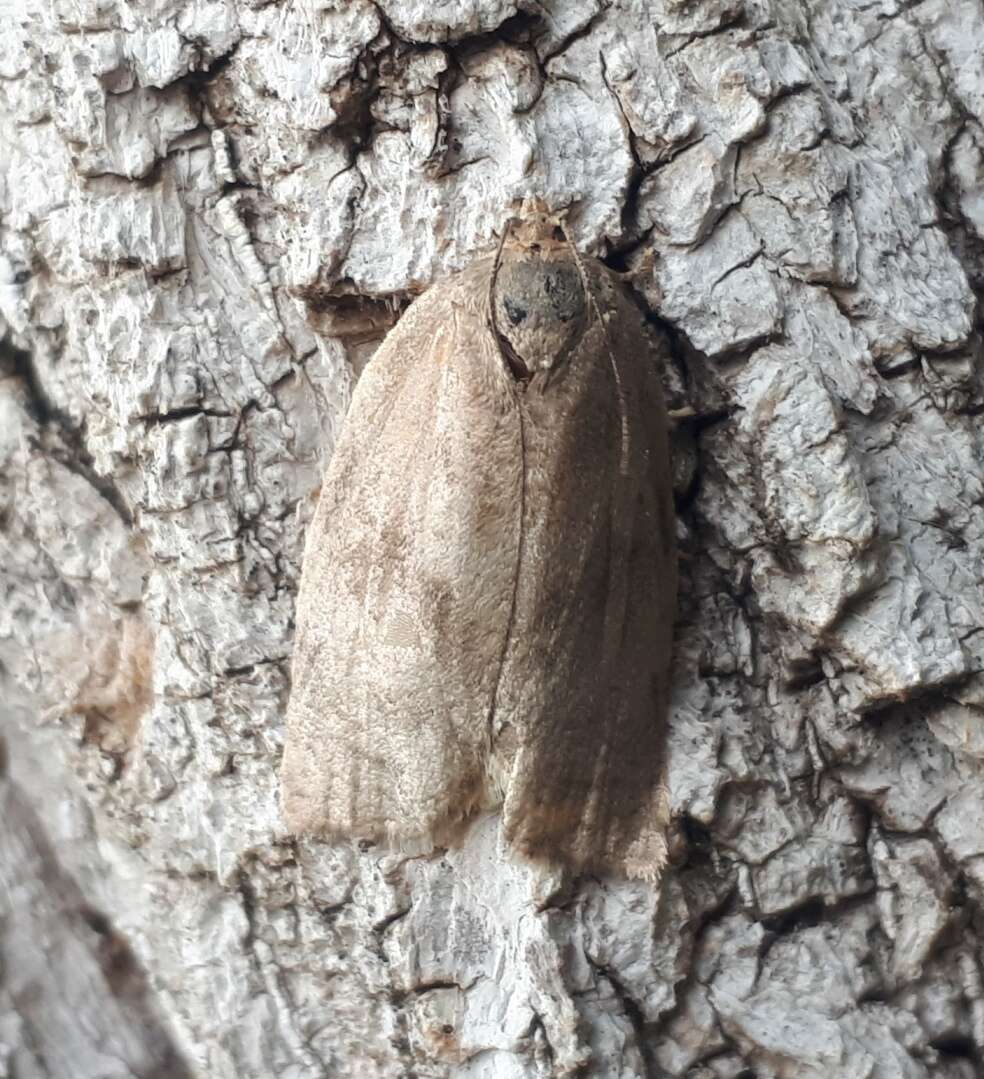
(539, 306)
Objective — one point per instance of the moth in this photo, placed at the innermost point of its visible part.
(488, 587)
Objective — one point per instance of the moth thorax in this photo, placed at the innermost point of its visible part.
(540, 310)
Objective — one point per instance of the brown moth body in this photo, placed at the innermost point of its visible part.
(489, 582)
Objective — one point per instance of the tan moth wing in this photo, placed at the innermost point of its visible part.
(588, 676)
(489, 584)
(406, 587)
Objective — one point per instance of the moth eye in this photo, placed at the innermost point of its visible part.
(516, 312)
(564, 296)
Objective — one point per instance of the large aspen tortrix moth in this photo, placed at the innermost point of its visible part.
(489, 583)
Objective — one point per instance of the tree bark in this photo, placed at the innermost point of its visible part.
(210, 214)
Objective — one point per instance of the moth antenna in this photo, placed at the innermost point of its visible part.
(492, 280)
(521, 545)
(623, 411)
(619, 536)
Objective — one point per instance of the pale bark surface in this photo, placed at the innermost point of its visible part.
(209, 214)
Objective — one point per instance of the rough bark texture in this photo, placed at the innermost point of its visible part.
(209, 214)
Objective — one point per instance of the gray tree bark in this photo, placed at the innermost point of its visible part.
(210, 213)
